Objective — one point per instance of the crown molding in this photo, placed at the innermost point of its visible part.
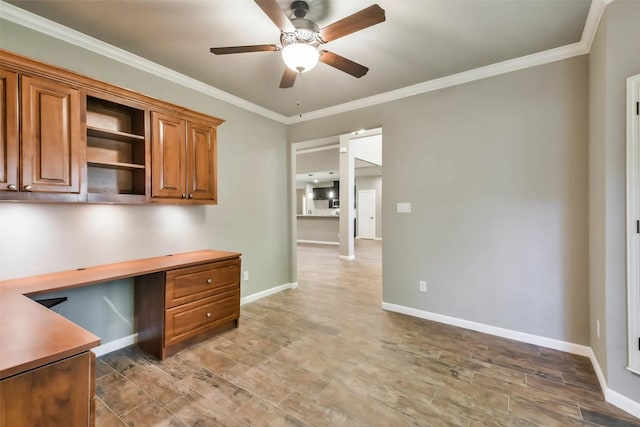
(593, 21)
(22, 17)
(35, 22)
(596, 10)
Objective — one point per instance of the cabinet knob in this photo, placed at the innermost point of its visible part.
(209, 281)
(27, 187)
(208, 314)
(12, 187)
(191, 196)
(184, 196)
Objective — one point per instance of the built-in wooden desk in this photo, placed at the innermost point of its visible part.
(186, 296)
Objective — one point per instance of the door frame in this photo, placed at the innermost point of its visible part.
(633, 224)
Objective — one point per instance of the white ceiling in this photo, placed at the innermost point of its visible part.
(421, 40)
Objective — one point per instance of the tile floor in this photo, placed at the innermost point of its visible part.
(325, 354)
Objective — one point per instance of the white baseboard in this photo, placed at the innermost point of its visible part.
(267, 292)
(611, 396)
(555, 344)
(115, 345)
(347, 257)
(622, 402)
(318, 242)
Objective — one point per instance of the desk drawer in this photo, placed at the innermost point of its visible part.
(193, 283)
(191, 319)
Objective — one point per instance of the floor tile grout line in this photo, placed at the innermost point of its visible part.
(139, 388)
(112, 411)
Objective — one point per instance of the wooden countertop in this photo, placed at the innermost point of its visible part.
(319, 216)
(32, 335)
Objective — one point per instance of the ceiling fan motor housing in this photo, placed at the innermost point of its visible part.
(306, 32)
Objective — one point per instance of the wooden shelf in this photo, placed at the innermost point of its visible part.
(113, 134)
(115, 165)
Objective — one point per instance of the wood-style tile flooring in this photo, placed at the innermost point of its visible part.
(326, 354)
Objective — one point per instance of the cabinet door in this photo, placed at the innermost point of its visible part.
(168, 156)
(201, 161)
(8, 130)
(52, 143)
(59, 394)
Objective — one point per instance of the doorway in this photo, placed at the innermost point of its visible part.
(359, 167)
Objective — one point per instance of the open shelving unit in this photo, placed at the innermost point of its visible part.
(117, 150)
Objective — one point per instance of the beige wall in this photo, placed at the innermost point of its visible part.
(39, 238)
(318, 161)
(496, 171)
(615, 55)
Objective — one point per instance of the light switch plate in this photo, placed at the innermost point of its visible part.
(404, 207)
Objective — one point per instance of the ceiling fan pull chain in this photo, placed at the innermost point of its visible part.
(300, 94)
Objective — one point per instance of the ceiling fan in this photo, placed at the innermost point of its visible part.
(300, 39)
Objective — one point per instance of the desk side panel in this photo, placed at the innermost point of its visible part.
(149, 306)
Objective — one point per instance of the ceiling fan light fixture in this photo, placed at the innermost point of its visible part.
(300, 57)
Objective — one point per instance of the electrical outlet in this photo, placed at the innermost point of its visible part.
(245, 276)
(423, 286)
(598, 328)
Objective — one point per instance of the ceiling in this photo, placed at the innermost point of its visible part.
(420, 40)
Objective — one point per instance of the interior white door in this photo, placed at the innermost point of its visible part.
(367, 214)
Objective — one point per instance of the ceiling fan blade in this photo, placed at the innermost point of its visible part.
(288, 78)
(358, 21)
(343, 64)
(243, 49)
(277, 15)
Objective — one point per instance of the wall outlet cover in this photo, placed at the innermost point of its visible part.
(404, 207)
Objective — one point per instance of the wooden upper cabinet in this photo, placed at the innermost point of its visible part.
(183, 154)
(69, 138)
(52, 142)
(9, 131)
(168, 156)
(201, 161)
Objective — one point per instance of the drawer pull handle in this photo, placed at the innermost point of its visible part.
(209, 281)
(208, 314)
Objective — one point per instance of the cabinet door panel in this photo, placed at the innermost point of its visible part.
(168, 156)
(58, 394)
(201, 161)
(8, 130)
(51, 136)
